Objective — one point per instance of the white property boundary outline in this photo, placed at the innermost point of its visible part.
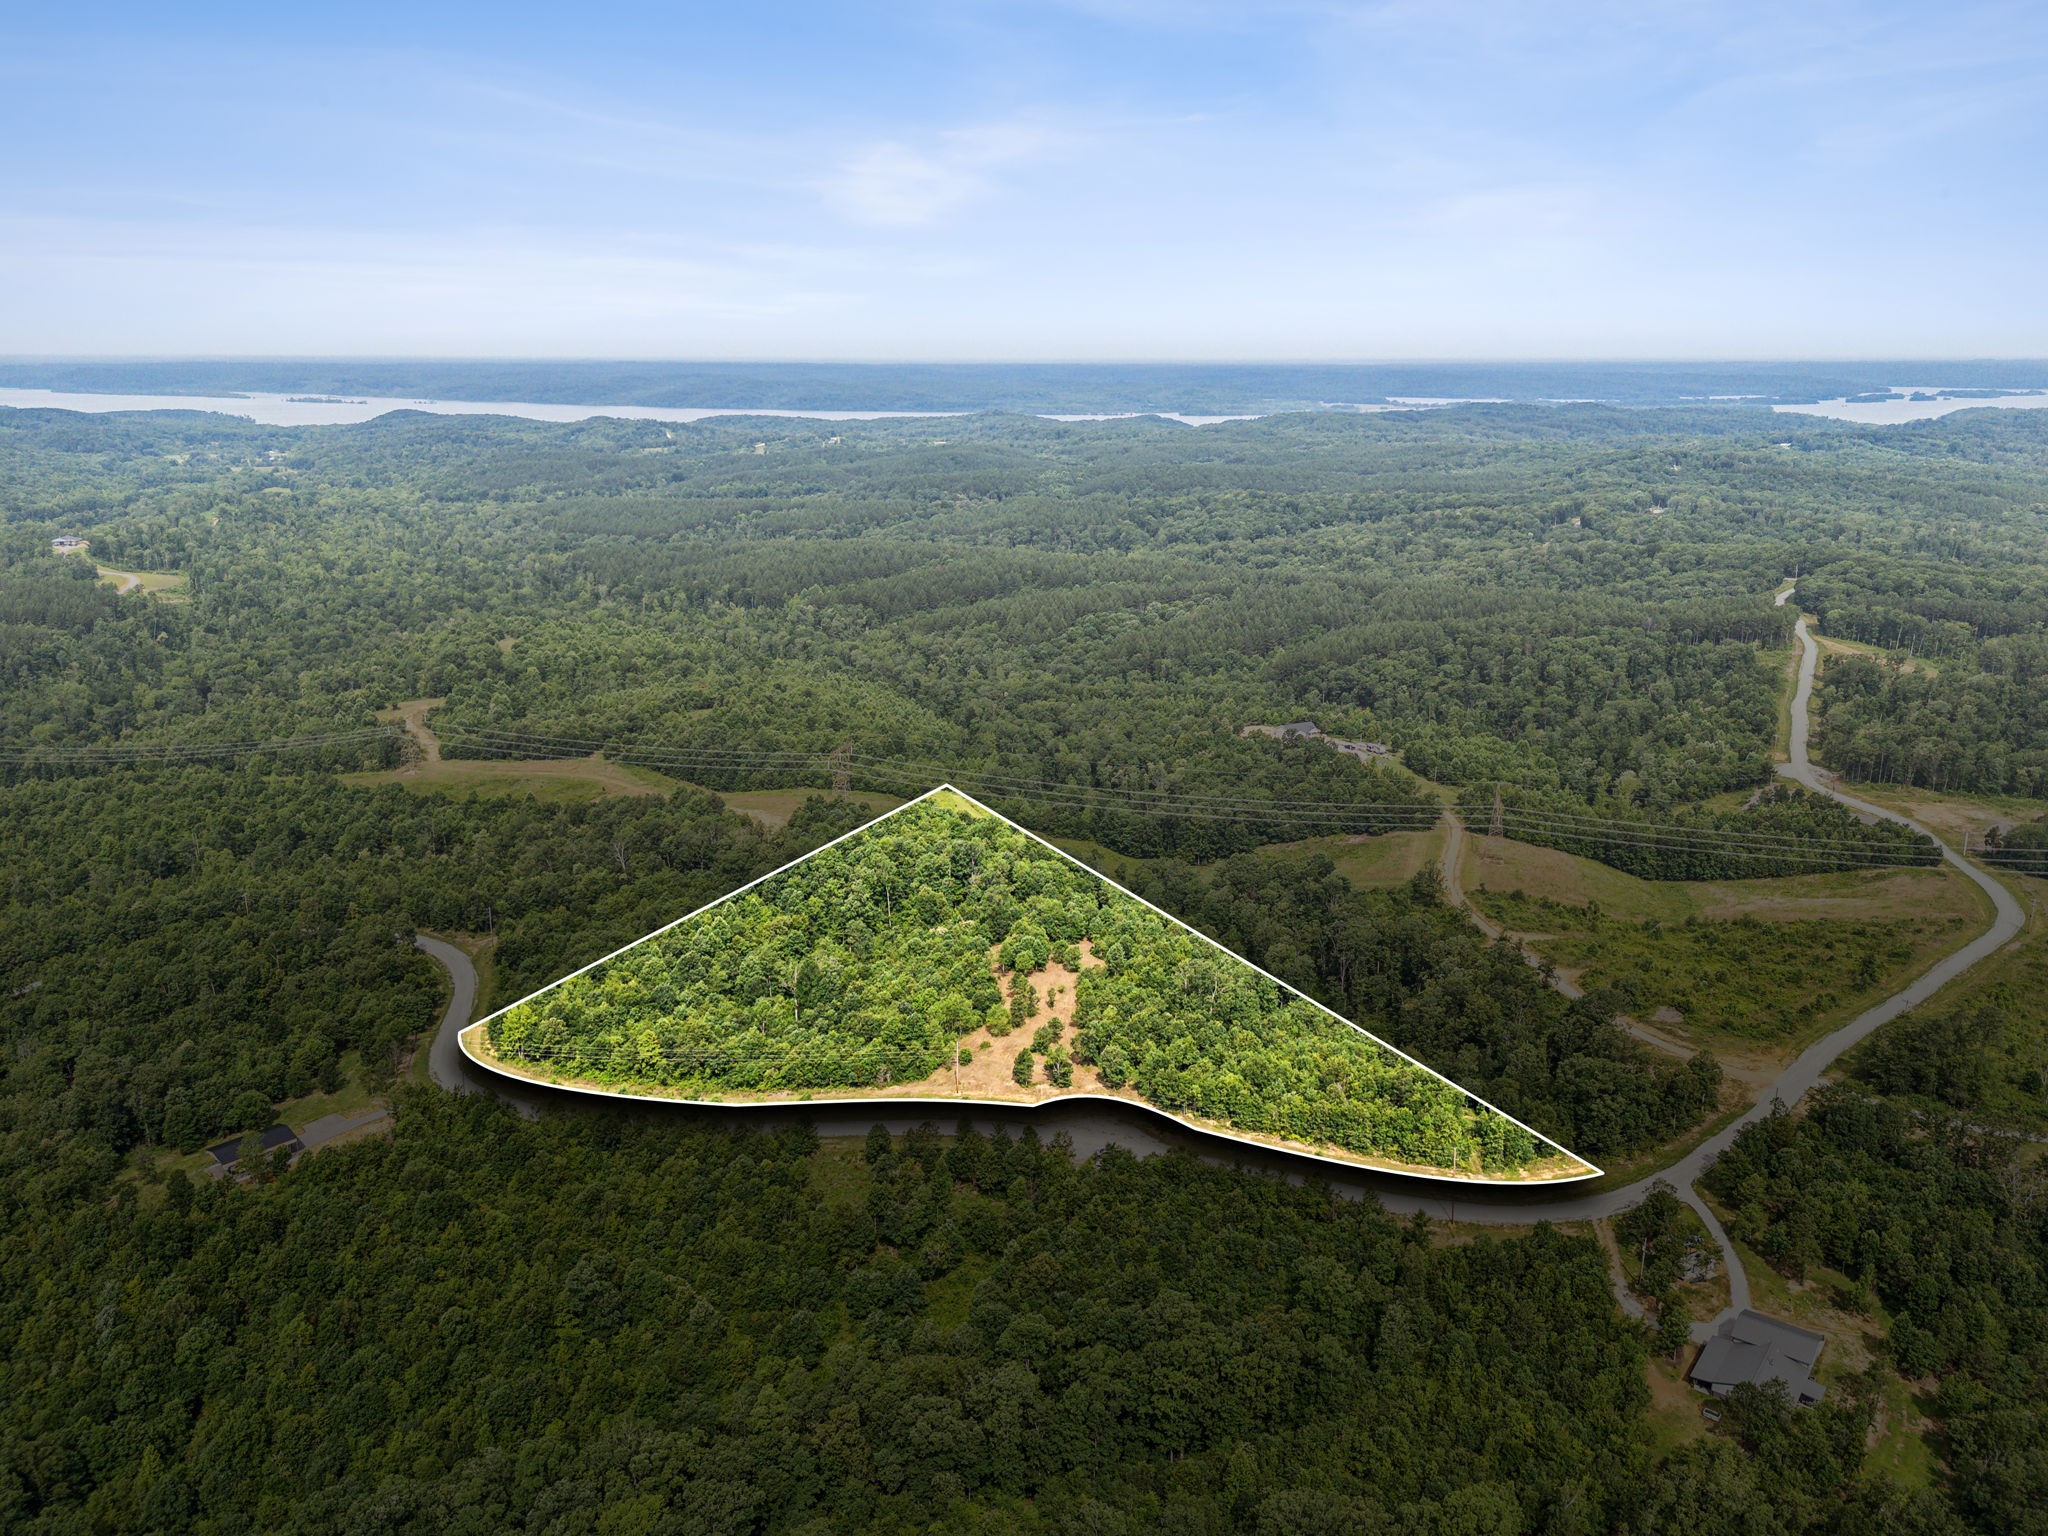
(462, 1036)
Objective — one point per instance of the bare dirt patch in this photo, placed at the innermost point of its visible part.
(988, 1075)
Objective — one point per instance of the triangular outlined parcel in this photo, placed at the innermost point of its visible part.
(941, 954)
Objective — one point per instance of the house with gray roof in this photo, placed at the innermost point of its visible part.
(1754, 1348)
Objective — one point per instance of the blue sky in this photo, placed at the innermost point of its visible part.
(1100, 179)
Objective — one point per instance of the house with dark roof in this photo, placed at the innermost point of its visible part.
(224, 1153)
(1753, 1348)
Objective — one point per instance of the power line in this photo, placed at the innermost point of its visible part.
(1179, 802)
(1372, 816)
(1350, 816)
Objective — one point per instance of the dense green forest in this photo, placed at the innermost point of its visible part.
(1941, 1232)
(867, 965)
(698, 1329)
(604, 1324)
(1553, 599)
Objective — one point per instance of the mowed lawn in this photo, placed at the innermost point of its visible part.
(164, 584)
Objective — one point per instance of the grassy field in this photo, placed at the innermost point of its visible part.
(1496, 864)
(1830, 646)
(1367, 862)
(354, 1095)
(1950, 816)
(1744, 977)
(774, 807)
(552, 779)
(1786, 664)
(1393, 858)
(164, 584)
(1119, 867)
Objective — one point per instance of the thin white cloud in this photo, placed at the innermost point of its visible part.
(889, 184)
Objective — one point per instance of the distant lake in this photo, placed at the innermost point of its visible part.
(1902, 407)
(308, 410)
(330, 410)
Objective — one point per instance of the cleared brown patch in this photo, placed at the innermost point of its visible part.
(411, 716)
(988, 1075)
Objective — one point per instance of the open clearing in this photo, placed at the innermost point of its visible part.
(561, 780)
(164, 584)
(1375, 863)
(1745, 978)
(556, 780)
(774, 807)
(1832, 647)
(1501, 864)
(1954, 817)
(1750, 968)
(1390, 859)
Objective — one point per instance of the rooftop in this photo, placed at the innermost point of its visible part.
(1753, 1348)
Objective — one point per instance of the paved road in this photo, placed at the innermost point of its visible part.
(1449, 1201)
(446, 1064)
(1805, 1071)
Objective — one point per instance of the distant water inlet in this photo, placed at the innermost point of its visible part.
(334, 411)
(1918, 402)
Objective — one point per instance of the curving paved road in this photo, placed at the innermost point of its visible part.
(1406, 1195)
(446, 1064)
(1805, 1071)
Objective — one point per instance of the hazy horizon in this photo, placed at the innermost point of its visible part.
(1096, 181)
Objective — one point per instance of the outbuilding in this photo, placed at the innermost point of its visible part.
(225, 1153)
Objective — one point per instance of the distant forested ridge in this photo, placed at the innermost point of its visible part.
(1553, 598)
